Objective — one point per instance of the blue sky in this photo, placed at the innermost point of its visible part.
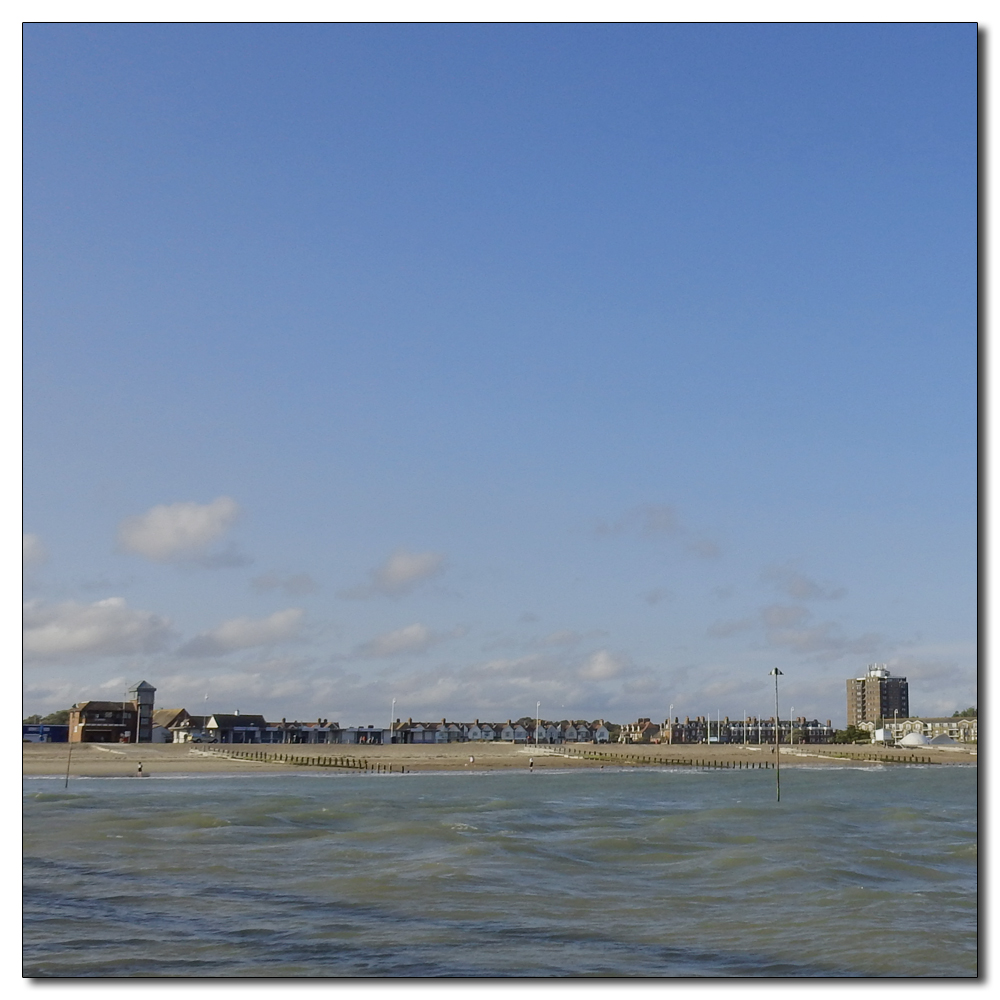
(606, 366)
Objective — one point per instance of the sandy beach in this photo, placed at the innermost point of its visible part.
(113, 760)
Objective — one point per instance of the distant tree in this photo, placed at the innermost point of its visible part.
(851, 735)
(32, 720)
(60, 718)
(966, 713)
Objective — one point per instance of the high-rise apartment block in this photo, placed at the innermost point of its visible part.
(877, 696)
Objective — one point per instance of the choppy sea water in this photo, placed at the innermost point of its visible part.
(857, 872)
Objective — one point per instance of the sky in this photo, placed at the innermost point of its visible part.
(471, 366)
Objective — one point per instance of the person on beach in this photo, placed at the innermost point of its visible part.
(138, 773)
(531, 763)
(472, 760)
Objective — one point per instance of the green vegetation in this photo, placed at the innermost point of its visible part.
(60, 718)
(966, 713)
(852, 735)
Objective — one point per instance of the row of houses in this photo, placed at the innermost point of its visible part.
(702, 729)
(177, 726)
(134, 720)
(960, 729)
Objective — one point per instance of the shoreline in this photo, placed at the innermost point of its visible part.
(98, 760)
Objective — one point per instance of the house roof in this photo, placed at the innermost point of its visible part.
(104, 706)
(229, 721)
(168, 717)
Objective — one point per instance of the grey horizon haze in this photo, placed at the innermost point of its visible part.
(609, 366)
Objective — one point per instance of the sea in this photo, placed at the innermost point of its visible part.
(864, 871)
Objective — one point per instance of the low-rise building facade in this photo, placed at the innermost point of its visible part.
(963, 729)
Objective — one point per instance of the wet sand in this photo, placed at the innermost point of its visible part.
(115, 760)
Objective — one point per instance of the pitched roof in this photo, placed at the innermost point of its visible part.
(104, 706)
(229, 721)
(167, 717)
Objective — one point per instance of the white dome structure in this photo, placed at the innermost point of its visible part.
(943, 741)
(914, 740)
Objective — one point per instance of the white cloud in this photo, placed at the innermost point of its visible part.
(104, 628)
(648, 519)
(180, 531)
(826, 640)
(400, 574)
(793, 583)
(294, 586)
(416, 638)
(782, 615)
(245, 633)
(656, 595)
(704, 547)
(937, 685)
(33, 551)
(564, 637)
(722, 629)
(657, 520)
(602, 666)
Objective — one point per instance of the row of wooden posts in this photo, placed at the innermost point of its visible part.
(763, 764)
(351, 763)
(668, 761)
(909, 759)
(363, 764)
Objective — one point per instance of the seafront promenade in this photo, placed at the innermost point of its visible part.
(110, 760)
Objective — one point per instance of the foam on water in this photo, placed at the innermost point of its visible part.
(652, 873)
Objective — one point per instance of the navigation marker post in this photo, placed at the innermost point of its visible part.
(776, 673)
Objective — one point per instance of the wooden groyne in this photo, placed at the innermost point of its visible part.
(656, 760)
(345, 761)
(643, 759)
(881, 758)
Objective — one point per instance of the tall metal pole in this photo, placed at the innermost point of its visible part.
(392, 715)
(670, 725)
(538, 717)
(777, 748)
(791, 724)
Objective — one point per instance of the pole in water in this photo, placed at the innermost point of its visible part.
(776, 673)
(69, 757)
